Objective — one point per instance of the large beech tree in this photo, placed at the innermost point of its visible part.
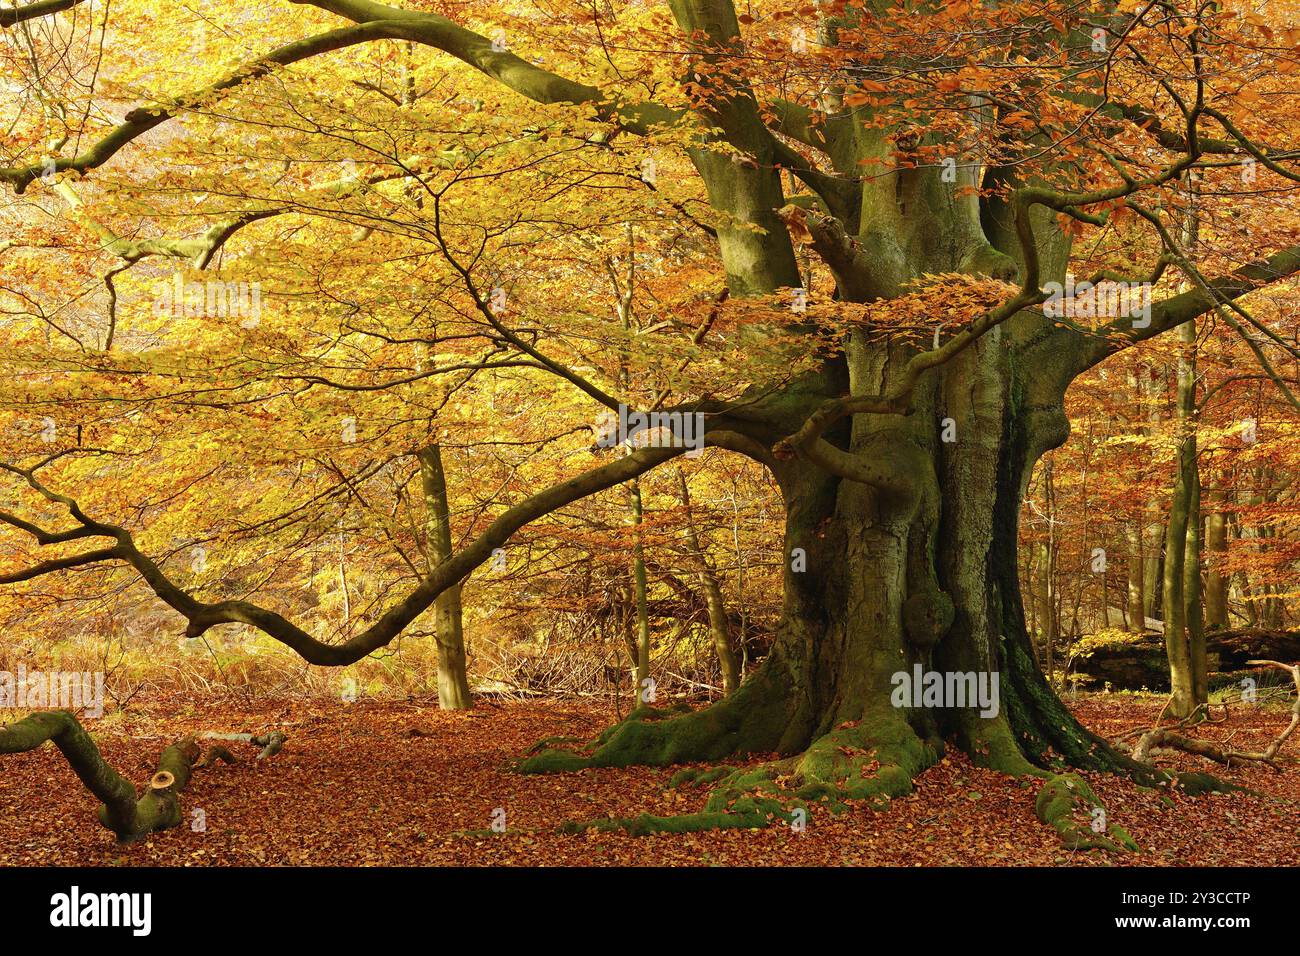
(849, 153)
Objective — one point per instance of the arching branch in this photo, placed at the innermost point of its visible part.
(426, 29)
(144, 118)
(1182, 308)
(202, 616)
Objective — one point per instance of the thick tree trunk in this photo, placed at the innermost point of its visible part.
(879, 583)
(448, 630)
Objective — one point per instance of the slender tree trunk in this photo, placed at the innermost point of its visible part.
(1136, 582)
(1048, 617)
(1105, 599)
(719, 629)
(1216, 543)
(453, 681)
(1153, 562)
(1181, 563)
(343, 580)
(1185, 625)
(624, 290)
(1273, 612)
(1152, 529)
(642, 641)
(742, 639)
(1194, 613)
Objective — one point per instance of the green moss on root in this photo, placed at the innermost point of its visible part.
(699, 777)
(553, 760)
(752, 817)
(1197, 784)
(659, 737)
(862, 763)
(1063, 797)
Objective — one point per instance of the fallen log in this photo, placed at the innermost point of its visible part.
(1138, 660)
(271, 743)
(128, 814)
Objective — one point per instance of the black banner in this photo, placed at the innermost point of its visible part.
(504, 905)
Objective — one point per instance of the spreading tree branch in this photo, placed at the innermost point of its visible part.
(201, 616)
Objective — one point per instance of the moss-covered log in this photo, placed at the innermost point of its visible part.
(128, 814)
(1135, 661)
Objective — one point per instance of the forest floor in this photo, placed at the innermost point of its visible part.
(380, 783)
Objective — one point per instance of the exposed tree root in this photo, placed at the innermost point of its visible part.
(1063, 800)
(1065, 796)
(871, 760)
(856, 761)
(659, 737)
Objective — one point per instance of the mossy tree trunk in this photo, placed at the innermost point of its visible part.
(901, 520)
(919, 570)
